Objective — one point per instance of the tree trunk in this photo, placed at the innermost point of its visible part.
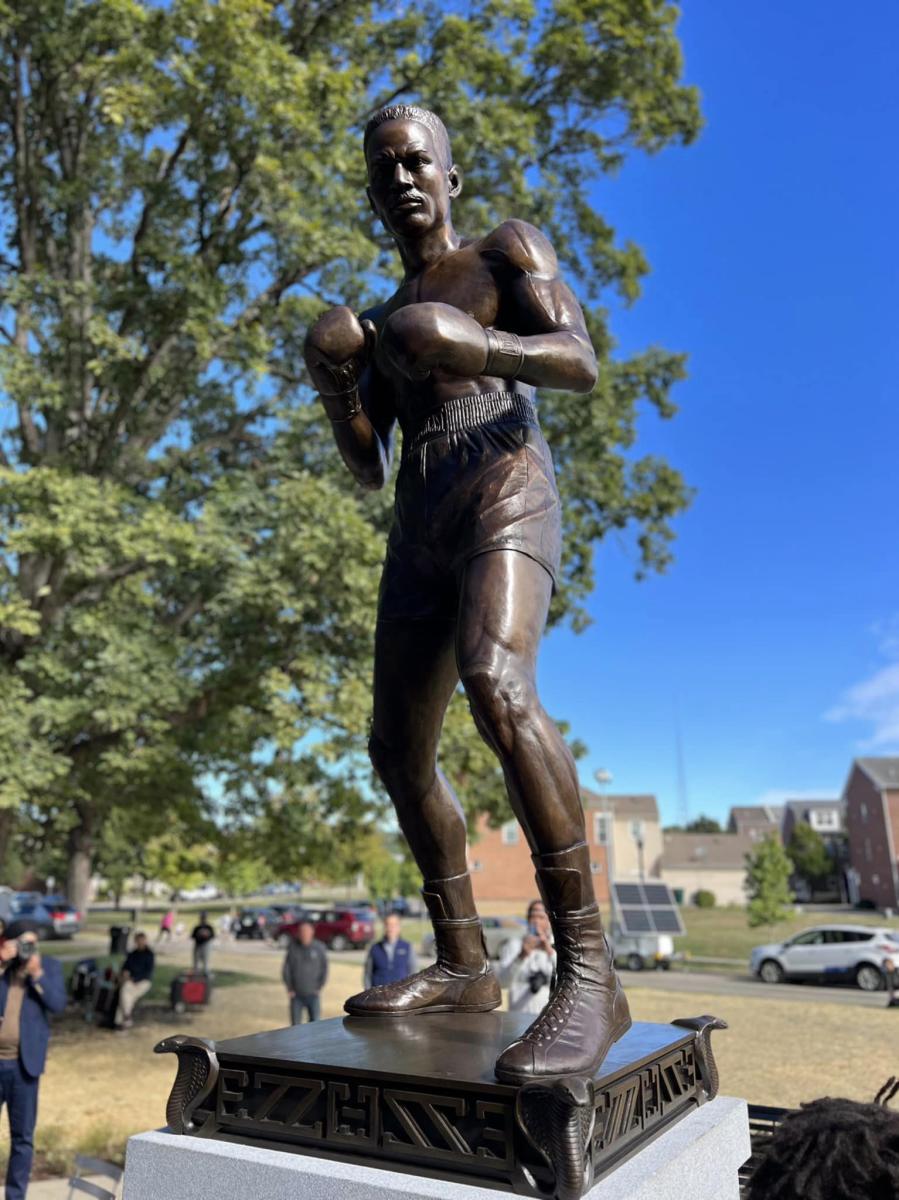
(7, 820)
(78, 875)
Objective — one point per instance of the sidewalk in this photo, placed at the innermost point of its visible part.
(53, 1189)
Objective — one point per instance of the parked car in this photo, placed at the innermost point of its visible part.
(498, 932)
(829, 952)
(339, 928)
(52, 916)
(206, 891)
(256, 923)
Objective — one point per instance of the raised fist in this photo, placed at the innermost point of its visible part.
(336, 349)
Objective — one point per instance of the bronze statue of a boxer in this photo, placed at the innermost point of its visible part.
(454, 357)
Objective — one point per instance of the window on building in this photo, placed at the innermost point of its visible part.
(477, 865)
(601, 829)
(595, 868)
(510, 833)
(875, 879)
(864, 811)
(867, 849)
(637, 831)
(824, 818)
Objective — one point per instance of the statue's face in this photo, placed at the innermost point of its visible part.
(410, 187)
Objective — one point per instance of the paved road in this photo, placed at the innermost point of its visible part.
(747, 985)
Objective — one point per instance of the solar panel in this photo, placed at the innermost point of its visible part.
(666, 920)
(647, 908)
(629, 893)
(636, 920)
(658, 893)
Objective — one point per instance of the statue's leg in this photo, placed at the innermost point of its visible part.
(415, 676)
(505, 600)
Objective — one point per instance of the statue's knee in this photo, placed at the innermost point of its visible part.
(406, 778)
(381, 757)
(501, 700)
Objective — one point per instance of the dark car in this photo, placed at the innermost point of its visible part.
(338, 928)
(256, 923)
(52, 916)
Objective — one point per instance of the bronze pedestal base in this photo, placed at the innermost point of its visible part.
(419, 1095)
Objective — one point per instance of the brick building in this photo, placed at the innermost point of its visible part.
(825, 817)
(871, 796)
(623, 834)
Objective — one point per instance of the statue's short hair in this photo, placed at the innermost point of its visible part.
(411, 112)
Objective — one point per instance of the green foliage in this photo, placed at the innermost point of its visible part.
(703, 824)
(809, 855)
(187, 575)
(768, 871)
(704, 899)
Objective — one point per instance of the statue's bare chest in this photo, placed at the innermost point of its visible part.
(463, 279)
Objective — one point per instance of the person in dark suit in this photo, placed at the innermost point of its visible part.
(390, 959)
(31, 988)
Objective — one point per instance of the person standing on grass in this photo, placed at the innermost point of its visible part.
(527, 964)
(390, 959)
(304, 973)
(202, 935)
(135, 980)
(166, 925)
(31, 988)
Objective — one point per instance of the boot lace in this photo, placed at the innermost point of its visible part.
(558, 1009)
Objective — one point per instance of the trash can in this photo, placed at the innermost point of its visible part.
(118, 939)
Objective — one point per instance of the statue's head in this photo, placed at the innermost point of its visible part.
(412, 179)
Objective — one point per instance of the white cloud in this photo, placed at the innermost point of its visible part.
(875, 700)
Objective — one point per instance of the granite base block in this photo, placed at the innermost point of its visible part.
(698, 1157)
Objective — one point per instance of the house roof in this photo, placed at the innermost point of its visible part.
(756, 814)
(800, 806)
(884, 772)
(623, 806)
(714, 851)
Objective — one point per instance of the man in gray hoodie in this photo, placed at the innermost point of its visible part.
(304, 973)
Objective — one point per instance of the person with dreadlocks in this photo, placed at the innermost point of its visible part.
(833, 1149)
(454, 358)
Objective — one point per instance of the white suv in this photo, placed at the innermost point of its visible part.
(830, 952)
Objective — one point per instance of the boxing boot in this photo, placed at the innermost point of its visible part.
(461, 979)
(587, 1010)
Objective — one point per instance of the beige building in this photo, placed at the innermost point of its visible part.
(636, 844)
(712, 862)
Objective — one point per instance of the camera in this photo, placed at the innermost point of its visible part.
(537, 981)
(25, 948)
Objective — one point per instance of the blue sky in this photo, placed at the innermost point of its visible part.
(775, 634)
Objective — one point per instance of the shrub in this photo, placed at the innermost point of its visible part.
(704, 899)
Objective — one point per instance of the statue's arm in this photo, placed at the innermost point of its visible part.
(544, 315)
(542, 340)
(339, 352)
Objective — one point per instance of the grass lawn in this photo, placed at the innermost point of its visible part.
(725, 932)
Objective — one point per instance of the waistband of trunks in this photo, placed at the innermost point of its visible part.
(469, 412)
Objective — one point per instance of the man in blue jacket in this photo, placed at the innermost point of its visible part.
(390, 959)
(31, 987)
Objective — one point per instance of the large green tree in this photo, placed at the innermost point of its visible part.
(187, 577)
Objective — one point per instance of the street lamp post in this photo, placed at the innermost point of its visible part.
(603, 779)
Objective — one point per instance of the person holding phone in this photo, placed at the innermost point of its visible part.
(527, 965)
(31, 988)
